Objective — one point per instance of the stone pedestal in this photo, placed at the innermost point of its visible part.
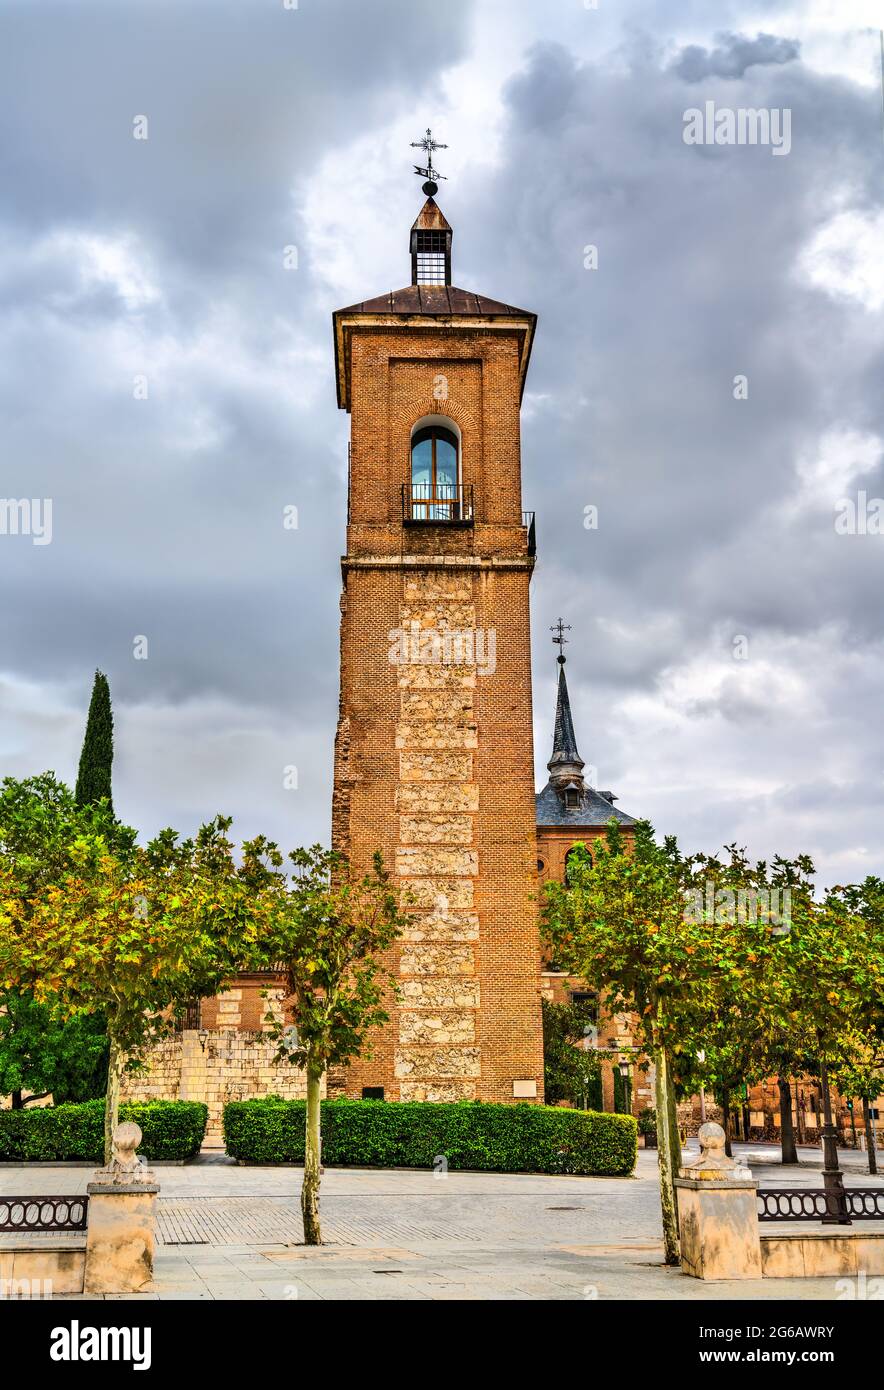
(120, 1224)
(718, 1218)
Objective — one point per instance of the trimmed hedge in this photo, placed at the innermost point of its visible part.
(171, 1128)
(413, 1134)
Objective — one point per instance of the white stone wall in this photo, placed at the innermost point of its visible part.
(437, 1057)
(235, 1065)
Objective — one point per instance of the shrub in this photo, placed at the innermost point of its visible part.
(468, 1134)
(171, 1128)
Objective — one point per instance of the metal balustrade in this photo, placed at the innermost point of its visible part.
(429, 504)
(816, 1204)
(38, 1214)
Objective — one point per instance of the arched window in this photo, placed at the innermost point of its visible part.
(435, 495)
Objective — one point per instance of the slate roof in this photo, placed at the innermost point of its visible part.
(594, 809)
(564, 738)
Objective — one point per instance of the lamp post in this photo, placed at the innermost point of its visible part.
(833, 1178)
(623, 1068)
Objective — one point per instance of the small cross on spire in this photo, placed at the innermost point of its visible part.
(560, 639)
(428, 144)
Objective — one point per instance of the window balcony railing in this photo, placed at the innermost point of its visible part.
(445, 504)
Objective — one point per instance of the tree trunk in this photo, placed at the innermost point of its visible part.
(726, 1123)
(800, 1106)
(17, 1102)
(870, 1134)
(787, 1133)
(668, 1154)
(312, 1158)
(115, 1064)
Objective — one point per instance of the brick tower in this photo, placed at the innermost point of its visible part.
(433, 753)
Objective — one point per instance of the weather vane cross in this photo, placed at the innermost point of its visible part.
(428, 145)
(560, 639)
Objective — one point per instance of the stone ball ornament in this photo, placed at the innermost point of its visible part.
(126, 1138)
(711, 1137)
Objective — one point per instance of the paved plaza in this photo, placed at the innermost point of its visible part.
(230, 1232)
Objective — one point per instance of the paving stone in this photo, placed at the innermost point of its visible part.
(473, 1236)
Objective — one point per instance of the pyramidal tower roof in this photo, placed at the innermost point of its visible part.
(566, 799)
(431, 218)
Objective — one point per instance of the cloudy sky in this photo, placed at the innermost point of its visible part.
(167, 381)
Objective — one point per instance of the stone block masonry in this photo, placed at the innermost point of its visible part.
(437, 1051)
(235, 1064)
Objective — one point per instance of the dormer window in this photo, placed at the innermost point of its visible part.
(572, 796)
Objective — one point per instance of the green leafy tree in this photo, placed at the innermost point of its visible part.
(328, 928)
(861, 1073)
(42, 1053)
(746, 908)
(863, 1076)
(130, 933)
(798, 980)
(40, 1050)
(691, 947)
(737, 960)
(571, 1071)
(620, 924)
(97, 756)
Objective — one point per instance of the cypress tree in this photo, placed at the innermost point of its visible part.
(96, 759)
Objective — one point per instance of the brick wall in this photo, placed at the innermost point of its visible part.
(434, 761)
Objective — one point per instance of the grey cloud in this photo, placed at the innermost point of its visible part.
(168, 511)
(734, 54)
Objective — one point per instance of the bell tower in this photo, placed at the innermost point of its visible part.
(433, 753)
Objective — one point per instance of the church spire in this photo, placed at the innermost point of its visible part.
(565, 765)
(430, 234)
